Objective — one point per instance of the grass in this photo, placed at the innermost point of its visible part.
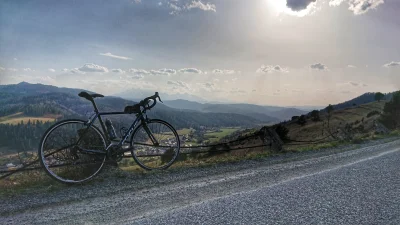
(38, 181)
(216, 136)
(18, 117)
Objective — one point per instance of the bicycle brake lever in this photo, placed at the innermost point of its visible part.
(159, 99)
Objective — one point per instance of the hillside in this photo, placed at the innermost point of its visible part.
(273, 113)
(362, 99)
(39, 100)
(357, 122)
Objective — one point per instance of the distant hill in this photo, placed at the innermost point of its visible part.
(273, 113)
(135, 95)
(38, 100)
(362, 99)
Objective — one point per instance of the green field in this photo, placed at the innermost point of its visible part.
(216, 136)
(18, 117)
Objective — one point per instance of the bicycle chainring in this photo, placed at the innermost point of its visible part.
(114, 154)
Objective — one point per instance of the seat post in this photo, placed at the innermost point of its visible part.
(96, 110)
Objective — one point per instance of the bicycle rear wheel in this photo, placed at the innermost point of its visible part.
(149, 155)
(62, 157)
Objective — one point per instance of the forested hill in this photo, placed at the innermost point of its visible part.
(39, 100)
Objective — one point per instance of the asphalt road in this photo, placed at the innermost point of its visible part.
(353, 187)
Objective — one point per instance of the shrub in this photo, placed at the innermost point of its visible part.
(302, 120)
(315, 115)
(373, 113)
(391, 112)
(282, 131)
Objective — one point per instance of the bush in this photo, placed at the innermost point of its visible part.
(373, 113)
(315, 115)
(302, 120)
(282, 131)
(391, 112)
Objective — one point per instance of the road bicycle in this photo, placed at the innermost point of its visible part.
(74, 150)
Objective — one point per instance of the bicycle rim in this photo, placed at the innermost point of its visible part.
(60, 156)
(150, 156)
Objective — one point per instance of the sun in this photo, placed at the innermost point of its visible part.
(277, 6)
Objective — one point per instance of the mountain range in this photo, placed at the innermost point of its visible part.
(40, 99)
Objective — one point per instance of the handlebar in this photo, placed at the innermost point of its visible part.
(145, 102)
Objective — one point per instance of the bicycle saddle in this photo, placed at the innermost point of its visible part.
(88, 96)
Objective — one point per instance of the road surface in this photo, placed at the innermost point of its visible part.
(360, 186)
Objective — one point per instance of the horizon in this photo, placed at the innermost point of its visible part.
(264, 52)
(301, 107)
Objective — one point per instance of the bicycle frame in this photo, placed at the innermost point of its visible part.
(139, 117)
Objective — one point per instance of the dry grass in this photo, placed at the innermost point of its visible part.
(317, 130)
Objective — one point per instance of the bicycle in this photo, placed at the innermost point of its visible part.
(74, 150)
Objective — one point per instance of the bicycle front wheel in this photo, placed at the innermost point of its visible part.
(155, 145)
(62, 156)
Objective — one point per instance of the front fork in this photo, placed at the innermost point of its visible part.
(148, 131)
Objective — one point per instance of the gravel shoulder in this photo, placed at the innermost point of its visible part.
(136, 196)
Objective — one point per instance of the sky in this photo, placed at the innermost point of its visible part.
(267, 52)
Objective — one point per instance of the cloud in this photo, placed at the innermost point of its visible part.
(64, 70)
(2, 68)
(219, 71)
(12, 69)
(354, 83)
(358, 7)
(137, 1)
(51, 70)
(351, 66)
(117, 71)
(318, 66)
(237, 91)
(177, 7)
(392, 64)
(138, 71)
(136, 76)
(200, 5)
(93, 68)
(179, 84)
(15, 59)
(165, 72)
(108, 54)
(76, 71)
(28, 70)
(272, 69)
(298, 5)
(190, 70)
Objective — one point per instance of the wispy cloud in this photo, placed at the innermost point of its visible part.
(318, 66)
(91, 67)
(219, 71)
(190, 70)
(272, 69)
(51, 70)
(109, 54)
(392, 64)
(358, 7)
(117, 71)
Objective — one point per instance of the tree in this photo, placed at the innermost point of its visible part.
(391, 112)
(329, 109)
(282, 131)
(302, 120)
(315, 115)
(379, 96)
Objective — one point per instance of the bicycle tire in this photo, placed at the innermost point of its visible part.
(136, 149)
(94, 162)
